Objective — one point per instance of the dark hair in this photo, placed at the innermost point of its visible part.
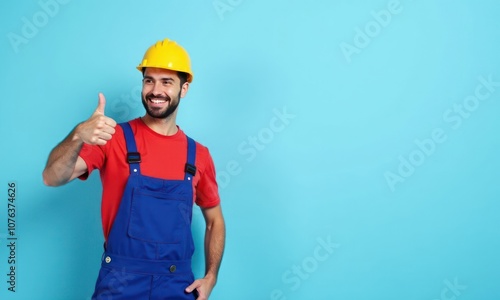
(183, 76)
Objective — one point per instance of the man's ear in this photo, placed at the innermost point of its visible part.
(184, 89)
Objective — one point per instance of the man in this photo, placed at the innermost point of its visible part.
(151, 174)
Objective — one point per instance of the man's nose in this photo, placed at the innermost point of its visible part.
(156, 89)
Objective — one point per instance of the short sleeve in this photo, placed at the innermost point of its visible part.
(93, 157)
(207, 193)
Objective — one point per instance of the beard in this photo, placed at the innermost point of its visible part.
(159, 113)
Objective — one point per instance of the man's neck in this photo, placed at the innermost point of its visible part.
(161, 126)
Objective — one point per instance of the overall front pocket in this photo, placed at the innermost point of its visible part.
(157, 217)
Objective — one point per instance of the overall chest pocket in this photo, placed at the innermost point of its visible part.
(158, 217)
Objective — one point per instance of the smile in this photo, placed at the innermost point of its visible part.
(158, 101)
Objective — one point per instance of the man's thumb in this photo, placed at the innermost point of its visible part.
(101, 105)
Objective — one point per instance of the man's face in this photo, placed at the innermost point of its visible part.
(161, 92)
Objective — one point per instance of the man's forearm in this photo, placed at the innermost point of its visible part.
(215, 237)
(96, 130)
(62, 160)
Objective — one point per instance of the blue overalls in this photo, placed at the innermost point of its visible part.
(149, 248)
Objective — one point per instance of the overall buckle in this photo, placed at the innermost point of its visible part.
(190, 169)
(133, 157)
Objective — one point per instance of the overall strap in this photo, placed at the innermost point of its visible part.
(133, 157)
(190, 168)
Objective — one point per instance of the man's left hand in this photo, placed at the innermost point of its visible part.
(204, 287)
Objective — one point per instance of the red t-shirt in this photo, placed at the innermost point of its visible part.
(161, 157)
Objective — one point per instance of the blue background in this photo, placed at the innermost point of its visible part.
(354, 164)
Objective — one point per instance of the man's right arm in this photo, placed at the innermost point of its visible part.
(64, 164)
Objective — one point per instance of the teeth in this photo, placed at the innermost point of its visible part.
(158, 101)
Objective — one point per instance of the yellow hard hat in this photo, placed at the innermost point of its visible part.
(169, 55)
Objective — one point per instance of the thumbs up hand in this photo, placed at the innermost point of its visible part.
(98, 129)
(101, 104)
